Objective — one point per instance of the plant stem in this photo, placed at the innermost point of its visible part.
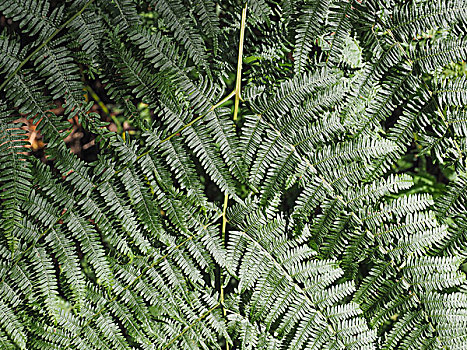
(224, 225)
(236, 92)
(96, 98)
(238, 84)
(213, 107)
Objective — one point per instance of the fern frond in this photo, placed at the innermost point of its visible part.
(211, 161)
(123, 13)
(13, 328)
(307, 29)
(452, 91)
(343, 223)
(273, 267)
(415, 19)
(397, 208)
(339, 24)
(411, 239)
(162, 53)
(453, 202)
(65, 252)
(166, 58)
(260, 11)
(88, 31)
(253, 336)
(208, 18)
(440, 53)
(15, 173)
(385, 101)
(366, 81)
(403, 132)
(293, 92)
(54, 64)
(35, 17)
(364, 149)
(176, 156)
(183, 28)
(140, 81)
(12, 53)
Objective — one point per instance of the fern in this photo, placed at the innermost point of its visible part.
(313, 13)
(294, 176)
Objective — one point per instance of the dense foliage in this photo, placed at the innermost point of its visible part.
(313, 198)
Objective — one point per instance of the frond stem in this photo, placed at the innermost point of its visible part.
(236, 92)
(221, 102)
(238, 84)
(224, 225)
(213, 107)
(96, 98)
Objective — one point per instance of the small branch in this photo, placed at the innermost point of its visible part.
(224, 225)
(236, 92)
(238, 84)
(96, 98)
(221, 102)
(213, 107)
(184, 127)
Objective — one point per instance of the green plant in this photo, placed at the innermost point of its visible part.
(321, 204)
